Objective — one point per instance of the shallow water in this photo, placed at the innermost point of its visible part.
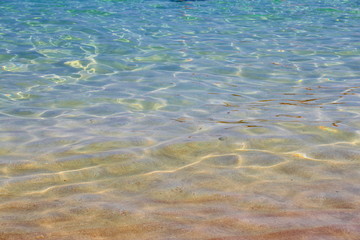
(159, 119)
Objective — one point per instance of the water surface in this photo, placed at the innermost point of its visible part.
(159, 119)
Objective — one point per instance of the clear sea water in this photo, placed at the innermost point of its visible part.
(160, 119)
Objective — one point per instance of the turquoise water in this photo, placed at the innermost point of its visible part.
(160, 119)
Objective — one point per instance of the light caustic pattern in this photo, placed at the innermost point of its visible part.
(160, 119)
